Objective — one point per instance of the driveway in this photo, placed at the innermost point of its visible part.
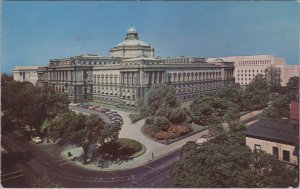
(134, 131)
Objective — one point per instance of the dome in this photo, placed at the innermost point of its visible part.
(132, 30)
(132, 46)
(132, 43)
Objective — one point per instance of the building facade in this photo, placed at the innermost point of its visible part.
(247, 67)
(26, 73)
(276, 138)
(124, 77)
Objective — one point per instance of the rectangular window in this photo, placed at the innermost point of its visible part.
(257, 147)
(285, 155)
(275, 152)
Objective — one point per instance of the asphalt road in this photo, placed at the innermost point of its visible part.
(46, 158)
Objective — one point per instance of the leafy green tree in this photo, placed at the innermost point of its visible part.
(81, 130)
(225, 161)
(273, 77)
(45, 182)
(161, 122)
(256, 93)
(160, 95)
(279, 107)
(24, 104)
(293, 83)
(211, 110)
(234, 94)
(293, 87)
(178, 116)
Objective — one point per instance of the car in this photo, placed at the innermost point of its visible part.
(118, 116)
(119, 122)
(91, 107)
(108, 113)
(37, 140)
(110, 116)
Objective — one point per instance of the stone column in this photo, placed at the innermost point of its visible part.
(141, 77)
(153, 75)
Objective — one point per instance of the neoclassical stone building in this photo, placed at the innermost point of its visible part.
(124, 77)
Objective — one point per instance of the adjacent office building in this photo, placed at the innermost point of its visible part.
(124, 77)
(247, 67)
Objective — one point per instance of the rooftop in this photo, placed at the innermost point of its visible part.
(275, 131)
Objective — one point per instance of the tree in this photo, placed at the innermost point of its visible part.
(293, 83)
(226, 162)
(293, 87)
(160, 95)
(24, 104)
(81, 130)
(273, 77)
(45, 182)
(279, 107)
(256, 93)
(211, 110)
(178, 116)
(233, 93)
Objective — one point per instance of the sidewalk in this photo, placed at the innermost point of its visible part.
(139, 161)
(130, 130)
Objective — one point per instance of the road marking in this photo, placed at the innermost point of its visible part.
(11, 177)
(59, 160)
(65, 163)
(148, 167)
(12, 173)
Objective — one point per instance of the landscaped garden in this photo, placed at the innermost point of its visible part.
(122, 149)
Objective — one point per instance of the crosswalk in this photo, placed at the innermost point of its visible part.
(62, 162)
(6, 176)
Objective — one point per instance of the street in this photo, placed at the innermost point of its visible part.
(152, 174)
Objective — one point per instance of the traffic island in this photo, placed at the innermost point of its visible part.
(107, 156)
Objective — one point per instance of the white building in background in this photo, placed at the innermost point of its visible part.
(290, 71)
(124, 77)
(26, 73)
(247, 67)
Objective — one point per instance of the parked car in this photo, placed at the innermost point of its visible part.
(108, 113)
(37, 140)
(110, 116)
(118, 118)
(119, 122)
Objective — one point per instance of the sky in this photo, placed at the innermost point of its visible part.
(34, 32)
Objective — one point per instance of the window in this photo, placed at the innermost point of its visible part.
(285, 155)
(275, 152)
(257, 147)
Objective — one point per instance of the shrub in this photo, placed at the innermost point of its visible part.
(162, 135)
(164, 111)
(134, 117)
(149, 120)
(178, 116)
(123, 148)
(130, 145)
(179, 130)
(162, 123)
